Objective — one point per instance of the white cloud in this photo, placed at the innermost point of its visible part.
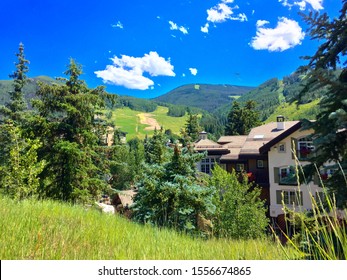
(241, 17)
(128, 71)
(223, 12)
(261, 23)
(302, 4)
(287, 34)
(219, 13)
(204, 29)
(118, 25)
(193, 71)
(174, 26)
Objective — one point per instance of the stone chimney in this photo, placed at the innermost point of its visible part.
(202, 135)
(280, 123)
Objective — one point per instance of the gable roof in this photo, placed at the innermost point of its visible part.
(291, 127)
(210, 146)
(258, 142)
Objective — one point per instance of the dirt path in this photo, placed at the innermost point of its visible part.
(146, 118)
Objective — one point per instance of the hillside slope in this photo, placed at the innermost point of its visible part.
(29, 89)
(49, 230)
(204, 96)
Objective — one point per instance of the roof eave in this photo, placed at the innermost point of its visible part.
(264, 149)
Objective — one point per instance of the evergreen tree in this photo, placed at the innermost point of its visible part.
(234, 125)
(137, 149)
(122, 167)
(242, 120)
(66, 124)
(169, 194)
(192, 127)
(155, 148)
(14, 109)
(330, 136)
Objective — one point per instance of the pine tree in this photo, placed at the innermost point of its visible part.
(233, 126)
(242, 119)
(324, 71)
(155, 148)
(66, 124)
(170, 195)
(13, 110)
(192, 127)
(11, 118)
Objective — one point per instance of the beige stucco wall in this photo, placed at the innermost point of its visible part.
(278, 159)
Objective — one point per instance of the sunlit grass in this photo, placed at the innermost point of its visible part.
(129, 121)
(51, 230)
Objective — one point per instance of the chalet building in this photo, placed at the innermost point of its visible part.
(269, 154)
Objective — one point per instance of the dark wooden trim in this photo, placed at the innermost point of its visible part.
(279, 138)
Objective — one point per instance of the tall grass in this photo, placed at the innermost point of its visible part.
(51, 230)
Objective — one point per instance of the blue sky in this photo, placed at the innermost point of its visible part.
(146, 48)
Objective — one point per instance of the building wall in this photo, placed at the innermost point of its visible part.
(279, 159)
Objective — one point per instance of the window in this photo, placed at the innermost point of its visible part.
(305, 147)
(240, 166)
(282, 148)
(285, 175)
(260, 163)
(289, 197)
(207, 164)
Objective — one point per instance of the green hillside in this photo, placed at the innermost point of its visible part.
(204, 96)
(293, 112)
(134, 122)
(278, 97)
(267, 96)
(46, 230)
(29, 89)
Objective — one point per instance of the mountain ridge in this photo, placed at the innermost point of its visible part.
(205, 96)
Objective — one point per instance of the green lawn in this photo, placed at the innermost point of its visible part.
(292, 112)
(52, 230)
(129, 121)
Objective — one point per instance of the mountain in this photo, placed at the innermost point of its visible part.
(278, 97)
(204, 96)
(29, 89)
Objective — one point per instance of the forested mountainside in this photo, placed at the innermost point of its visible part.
(275, 96)
(204, 96)
(29, 90)
(212, 102)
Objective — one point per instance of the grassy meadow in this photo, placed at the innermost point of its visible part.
(130, 121)
(291, 111)
(43, 230)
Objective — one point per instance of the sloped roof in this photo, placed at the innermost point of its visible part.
(233, 144)
(257, 142)
(210, 146)
(232, 141)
